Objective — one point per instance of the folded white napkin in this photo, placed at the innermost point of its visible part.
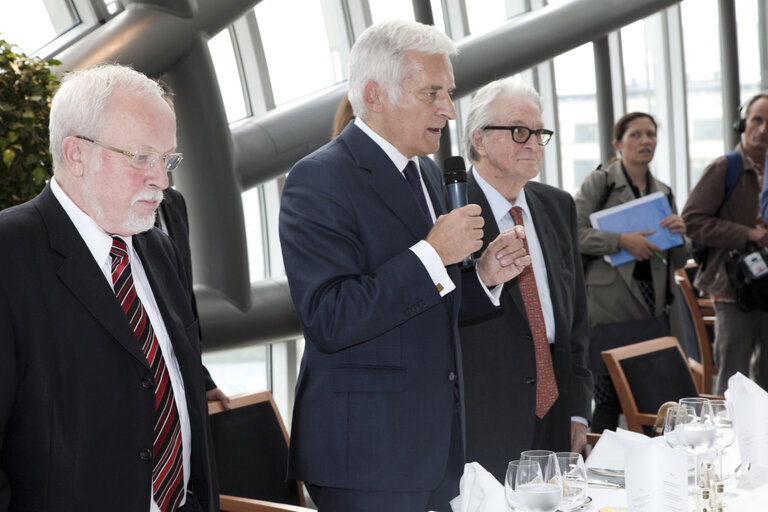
(479, 491)
(750, 419)
(609, 451)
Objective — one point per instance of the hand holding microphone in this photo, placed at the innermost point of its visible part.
(456, 235)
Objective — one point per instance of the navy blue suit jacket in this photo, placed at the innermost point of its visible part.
(378, 381)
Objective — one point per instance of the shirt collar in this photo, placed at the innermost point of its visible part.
(98, 241)
(499, 204)
(391, 151)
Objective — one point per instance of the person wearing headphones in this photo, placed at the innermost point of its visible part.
(725, 217)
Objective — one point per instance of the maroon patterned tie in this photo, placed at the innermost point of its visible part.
(546, 384)
(167, 467)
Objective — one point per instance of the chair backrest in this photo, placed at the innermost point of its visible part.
(646, 375)
(702, 365)
(251, 449)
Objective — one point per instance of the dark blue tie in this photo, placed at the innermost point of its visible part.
(412, 176)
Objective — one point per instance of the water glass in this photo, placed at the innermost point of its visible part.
(509, 482)
(574, 479)
(540, 492)
(725, 435)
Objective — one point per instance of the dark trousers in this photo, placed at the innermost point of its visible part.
(332, 499)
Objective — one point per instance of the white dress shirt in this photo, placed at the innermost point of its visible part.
(500, 207)
(99, 244)
(423, 250)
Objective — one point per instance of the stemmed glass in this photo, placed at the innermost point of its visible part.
(539, 491)
(509, 481)
(692, 428)
(725, 435)
(574, 480)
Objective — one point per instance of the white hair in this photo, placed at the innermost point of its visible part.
(79, 105)
(482, 111)
(378, 56)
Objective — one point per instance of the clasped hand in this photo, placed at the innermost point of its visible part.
(459, 233)
(642, 248)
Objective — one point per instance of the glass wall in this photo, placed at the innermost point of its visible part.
(284, 51)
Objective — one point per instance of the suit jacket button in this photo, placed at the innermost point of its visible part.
(145, 454)
(146, 383)
(452, 376)
(530, 381)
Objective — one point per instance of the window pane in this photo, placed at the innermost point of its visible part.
(638, 68)
(576, 91)
(29, 24)
(382, 10)
(223, 55)
(749, 48)
(485, 15)
(702, 69)
(240, 370)
(299, 59)
(254, 233)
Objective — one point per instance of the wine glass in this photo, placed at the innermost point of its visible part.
(695, 428)
(509, 482)
(725, 435)
(670, 422)
(539, 491)
(574, 474)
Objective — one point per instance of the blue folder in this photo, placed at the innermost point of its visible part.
(643, 214)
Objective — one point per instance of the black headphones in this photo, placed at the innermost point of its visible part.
(740, 125)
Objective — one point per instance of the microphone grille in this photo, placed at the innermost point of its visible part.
(454, 163)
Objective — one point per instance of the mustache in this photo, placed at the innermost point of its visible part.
(151, 195)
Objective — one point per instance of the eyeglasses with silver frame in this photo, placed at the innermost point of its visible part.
(521, 134)
(142, 160)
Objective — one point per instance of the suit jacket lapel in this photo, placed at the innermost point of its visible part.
(82, 275)
(549, 248)
(386, 180)
(157, 275)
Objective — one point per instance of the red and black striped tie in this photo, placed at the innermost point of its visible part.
(167, 467)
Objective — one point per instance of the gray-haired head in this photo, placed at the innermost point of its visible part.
(80, 102)
(378, 55)
(482, 112)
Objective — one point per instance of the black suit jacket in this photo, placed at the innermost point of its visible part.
(174, 212)
(76, 411)
(381, 369)
(499, 360)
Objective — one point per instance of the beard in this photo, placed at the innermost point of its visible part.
(133, 222)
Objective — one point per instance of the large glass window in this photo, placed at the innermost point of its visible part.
(32, 24)
(382, 10)
(225, 63)
(701, 46)
(486, 15)
(299, 58)
(747, 21)
(240, 370)
(576, 91)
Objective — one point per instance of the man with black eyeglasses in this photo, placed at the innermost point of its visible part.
(526, 381)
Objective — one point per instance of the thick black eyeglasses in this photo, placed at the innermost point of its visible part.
(142, 160)
(521, 134)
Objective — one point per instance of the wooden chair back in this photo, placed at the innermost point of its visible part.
(703, 366)
(251, 449)
(646, 375)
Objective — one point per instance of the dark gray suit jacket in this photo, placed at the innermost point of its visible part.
(498, 355)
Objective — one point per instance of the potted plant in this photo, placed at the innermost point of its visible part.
(26, 87)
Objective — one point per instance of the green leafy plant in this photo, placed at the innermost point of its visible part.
(26, 87)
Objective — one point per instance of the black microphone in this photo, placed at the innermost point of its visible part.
(455, 177)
